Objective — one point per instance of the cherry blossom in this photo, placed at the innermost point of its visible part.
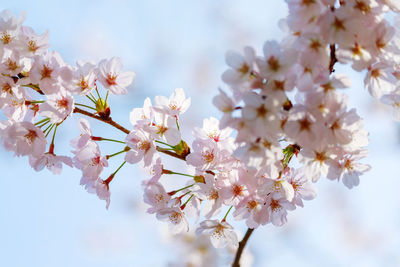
(221, 233)
(24, 139)
(286, 121)
(109, 73)
(176, 105)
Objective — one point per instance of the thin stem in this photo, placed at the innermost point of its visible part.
(51, 128)
(187, 201)
(47, 128)
(226, 215)
(92, 96)
(82, 105)
(108, 92)
(112, 140)
(120, 166)
(178, 173)
(43, 124)
(54, 135)
(28, 102)
(242, 244)
(111, 177)
(97, 91)
(51, 148)
(41, 121)
(186, 187)
(183, 188)
(115, 154)
(160, 142)
(94, 102)
(165, 149)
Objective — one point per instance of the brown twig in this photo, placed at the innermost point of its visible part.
(333, 58)
(170, 153)
(109, 120)
(242, 244)
(123, 129)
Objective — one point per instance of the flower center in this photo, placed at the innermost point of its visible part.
(31, 136)
(111, 79)
(46, 72)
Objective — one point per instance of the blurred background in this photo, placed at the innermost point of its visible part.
(49, 220)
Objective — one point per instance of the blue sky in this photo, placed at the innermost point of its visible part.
(49, 220)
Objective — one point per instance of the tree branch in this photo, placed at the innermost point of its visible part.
(172, 154)
(109, 121)
(242, 244)
(333, 58)
(123, 129)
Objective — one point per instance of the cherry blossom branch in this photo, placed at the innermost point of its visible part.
(123, 129)
(242, 244)
(109, 120)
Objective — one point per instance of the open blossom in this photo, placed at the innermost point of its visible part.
(142, 116)
(9, 91)
(155, 170)
(175, 217)
(109, 73)
(156, 196)
(89, 160)
(221, 234)
(302, 186)
(82, 80)
(226, 105)
(350, 169)
(212, 132)
(9, 27)
(301, 125)
(51, 161)
(103, 191)
(278, 189)
(46, 70)
(31, 44)
(142, 147)
(319, 160)
(176, 105)
(204, 157)
(393, 100)
(234, 185)
(85, 136)
(276, 60)
(380, 79)
(252, 209)
(58, 106)
(165, 127)
(260, 114)
(210, 193)
(12, 63)
(241, 66)
(277, 209)
(24, 138)
(95, 185)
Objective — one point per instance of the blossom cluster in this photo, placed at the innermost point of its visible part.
(286, 121)
(197, 251)
(30, 71)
